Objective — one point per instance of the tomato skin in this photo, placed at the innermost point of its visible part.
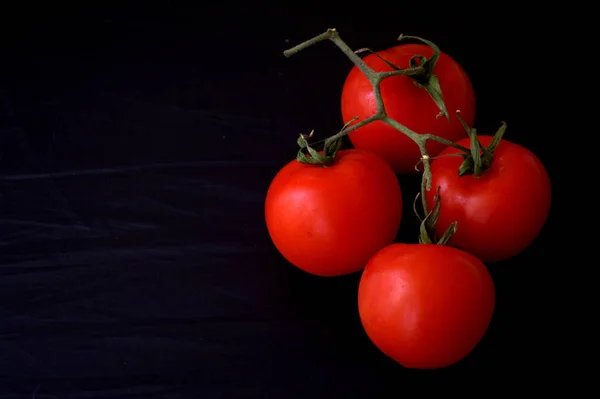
(329, 221)
(426, 306)
(500, 213)
(408, 104)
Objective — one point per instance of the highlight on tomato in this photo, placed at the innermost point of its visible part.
(499, 193)
(419, 102)
(328, 212)
(426, 306)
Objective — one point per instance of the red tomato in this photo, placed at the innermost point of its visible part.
(426, 306)
(500, 213)
(329, 221)
(408, 104)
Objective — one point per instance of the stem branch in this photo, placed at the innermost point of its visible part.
(323, 36)
(375, 78)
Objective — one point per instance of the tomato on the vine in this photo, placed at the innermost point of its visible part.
(501, 211)
(426, 306)
(330, 220)
(408, 104)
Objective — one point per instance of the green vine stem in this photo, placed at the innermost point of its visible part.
(427, 230)
(428, 80)
(421, 73)
(479, 158)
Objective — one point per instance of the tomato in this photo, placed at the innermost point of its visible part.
(499, 213)
(426, 306)
(408, 104)
(329, 221)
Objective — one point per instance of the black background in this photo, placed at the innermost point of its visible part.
(136, 148)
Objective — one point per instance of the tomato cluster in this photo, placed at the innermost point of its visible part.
(332, 212)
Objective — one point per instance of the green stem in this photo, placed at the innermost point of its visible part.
(446, 142)
(479, 158)
(428, 221)
(375, 78)
(429, 80)
(422, 74)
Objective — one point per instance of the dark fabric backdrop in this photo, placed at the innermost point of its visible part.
(136, 148)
